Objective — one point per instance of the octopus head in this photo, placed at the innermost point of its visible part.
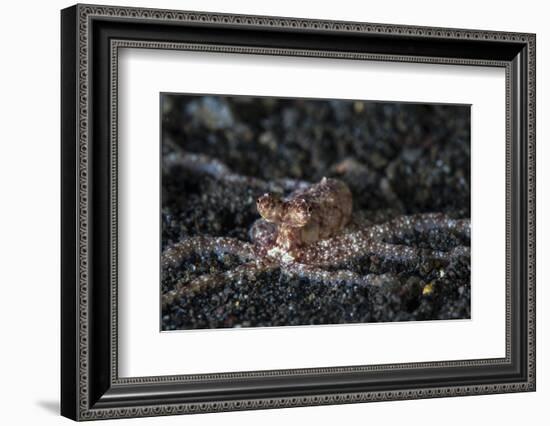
(270, 207)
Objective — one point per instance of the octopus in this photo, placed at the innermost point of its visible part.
(312, 233)
(316, 213)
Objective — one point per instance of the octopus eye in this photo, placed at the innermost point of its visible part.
(303, 206)
(300, 212)
(262, 201)
(269, 206)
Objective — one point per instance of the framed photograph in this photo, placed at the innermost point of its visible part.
(263, 212)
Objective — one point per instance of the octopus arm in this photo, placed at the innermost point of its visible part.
(339, 277)
(205, 165)
(373, 240)
(424, 223)
(173, 256)
(215, 280)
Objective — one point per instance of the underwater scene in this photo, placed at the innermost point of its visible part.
(292, 211)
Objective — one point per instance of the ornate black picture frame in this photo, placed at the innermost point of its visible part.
(90, 38)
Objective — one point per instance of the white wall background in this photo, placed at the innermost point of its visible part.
(29, 213)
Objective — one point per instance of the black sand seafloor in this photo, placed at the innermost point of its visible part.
(397, 158)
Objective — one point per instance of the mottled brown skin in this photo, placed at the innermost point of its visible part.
(307, 216)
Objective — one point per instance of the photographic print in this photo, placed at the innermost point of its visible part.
(293, 211)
